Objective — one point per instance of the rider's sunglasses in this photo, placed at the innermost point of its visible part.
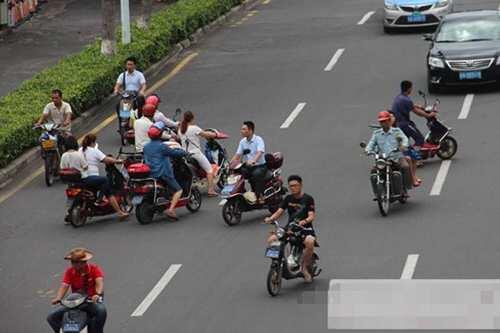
(76, 262)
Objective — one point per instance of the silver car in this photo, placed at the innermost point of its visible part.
(414, 13)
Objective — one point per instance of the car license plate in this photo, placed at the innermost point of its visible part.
(136, 200)
(416, 18)
(273, 252)
(473, 75)
(71, 327)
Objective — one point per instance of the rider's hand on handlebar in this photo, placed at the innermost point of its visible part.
(268, 220)
(302, 223)
(95, 298)
(55, 301)
(433, 114)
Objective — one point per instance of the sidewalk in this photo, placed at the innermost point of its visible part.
(59, 28)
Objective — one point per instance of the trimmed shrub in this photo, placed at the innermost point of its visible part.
(88, 77)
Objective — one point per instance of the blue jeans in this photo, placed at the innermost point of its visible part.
(96, 313)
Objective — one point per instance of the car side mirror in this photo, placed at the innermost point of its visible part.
(362, 144)
(428, 37)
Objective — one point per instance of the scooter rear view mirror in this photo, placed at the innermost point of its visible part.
(362, 144)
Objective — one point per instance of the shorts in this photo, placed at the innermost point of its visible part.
(171, 183)
(202, 161)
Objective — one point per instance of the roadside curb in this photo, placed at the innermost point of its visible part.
(7, 173)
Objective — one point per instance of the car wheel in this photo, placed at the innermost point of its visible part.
(387, 30)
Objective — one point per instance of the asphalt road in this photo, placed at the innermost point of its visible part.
(260, 70)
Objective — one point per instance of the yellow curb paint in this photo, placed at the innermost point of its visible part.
(102, 125)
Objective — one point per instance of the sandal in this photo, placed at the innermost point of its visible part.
(212, 194)
(171, 215)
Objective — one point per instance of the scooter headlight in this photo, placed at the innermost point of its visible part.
(73, 303)
(280, 233)
(380, 164)
(436, 62)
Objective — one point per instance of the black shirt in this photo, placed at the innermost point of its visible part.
(298, 208)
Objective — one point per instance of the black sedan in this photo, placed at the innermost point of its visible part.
(465, 50)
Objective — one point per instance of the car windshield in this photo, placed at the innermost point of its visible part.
(469, 31)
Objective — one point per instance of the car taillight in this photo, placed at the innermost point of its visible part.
(73, 192)
(141, 189)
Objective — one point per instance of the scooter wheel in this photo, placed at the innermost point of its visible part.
(448, 148)
(194, 201)
(231, 212)
(273, 282)
(144, 212)
(78, 216)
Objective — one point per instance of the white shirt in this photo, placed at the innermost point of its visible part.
(57, 115)
(141, 127)
(133, 81)
(74, 159)
(255, 144)
(191, 139)
(94, 157)
(159, 116)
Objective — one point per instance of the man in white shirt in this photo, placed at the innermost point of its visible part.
(141, 127)
(57, 112)
(131, 79)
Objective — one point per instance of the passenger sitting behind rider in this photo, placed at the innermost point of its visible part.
(300, 207)
(157, 155)
(391, 141)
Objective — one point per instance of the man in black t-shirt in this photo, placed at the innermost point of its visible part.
(300, 208)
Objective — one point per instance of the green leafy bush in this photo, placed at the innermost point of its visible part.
(87, 78)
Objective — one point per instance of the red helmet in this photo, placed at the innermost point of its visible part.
(154, 133)
(148, 110)
(153, 99)
(384, 116)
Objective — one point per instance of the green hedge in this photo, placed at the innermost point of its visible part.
(88, 77)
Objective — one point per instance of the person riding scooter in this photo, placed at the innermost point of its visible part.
(157, 156)
(300, 206)
(402, 107)
(155, 100)
(390, 141)
(255, 146)
(84, 278)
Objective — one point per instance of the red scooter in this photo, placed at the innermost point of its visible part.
(441, 143)
(84, 202)
(152, 196)
(235, 197)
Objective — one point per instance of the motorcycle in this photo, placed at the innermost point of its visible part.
(445, 146)
(217, 156)
(152, 196)
(387, 181)
(75, 319)
(51, 149)
(126, 113)
(235, 197)
(84, 202)
(286, 257)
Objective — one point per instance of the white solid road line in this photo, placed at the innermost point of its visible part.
(157, 289)
(293, 115)
(440, 178)
(365, 18)
(334, 60)
(409, 268)
(466, 106)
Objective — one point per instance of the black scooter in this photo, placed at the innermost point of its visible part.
(286, 257)
(75, 319)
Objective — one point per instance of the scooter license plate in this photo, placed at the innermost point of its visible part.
(69, 203)
(226, 191)
(124, 114)
(272, 252)
(136, 200)
(71, 327)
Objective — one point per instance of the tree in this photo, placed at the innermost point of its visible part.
(108, 44)
(144, 12)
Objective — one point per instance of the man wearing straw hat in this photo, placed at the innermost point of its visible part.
(84, 278)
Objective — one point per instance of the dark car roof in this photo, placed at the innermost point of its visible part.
(472, 15)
